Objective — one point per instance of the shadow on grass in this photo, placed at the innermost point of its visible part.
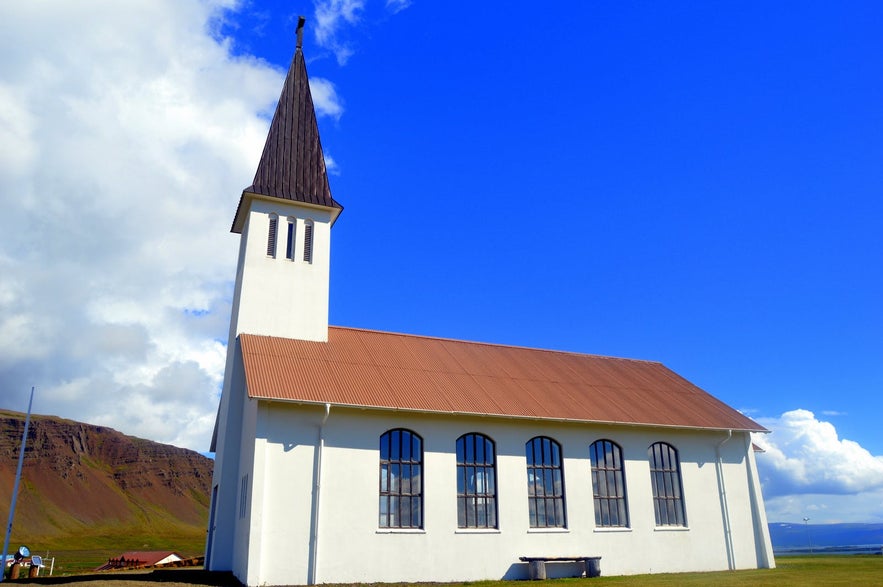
(191, 576)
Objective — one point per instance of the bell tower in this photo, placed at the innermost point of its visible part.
(285, 220)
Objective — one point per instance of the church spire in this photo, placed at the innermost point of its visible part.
(292, 165)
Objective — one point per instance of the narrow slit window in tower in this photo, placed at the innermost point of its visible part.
(271, 236)
(289, 244)
(308, 241)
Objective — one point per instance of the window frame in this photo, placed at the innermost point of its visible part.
(611, 508)
(290, 238)
(665, 474)
(394, 493)
(476, 482)
(550, 462)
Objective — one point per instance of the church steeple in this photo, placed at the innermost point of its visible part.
(284, 219)
(292, 164)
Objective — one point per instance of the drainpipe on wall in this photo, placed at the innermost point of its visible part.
(314, 555)
(725, 506)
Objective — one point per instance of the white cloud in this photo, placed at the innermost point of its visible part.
(334, 18)
(325, 98)
(331, 165)
(806, 467)
(127, 132)
(331, 15)
(396, 6)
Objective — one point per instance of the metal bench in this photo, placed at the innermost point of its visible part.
(536, 565)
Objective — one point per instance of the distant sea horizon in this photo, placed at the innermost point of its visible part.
(809, 539)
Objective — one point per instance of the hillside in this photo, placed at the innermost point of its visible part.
(84, 486)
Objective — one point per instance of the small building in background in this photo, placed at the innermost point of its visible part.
(140, 558)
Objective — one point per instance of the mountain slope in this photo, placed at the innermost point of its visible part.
(81, 481)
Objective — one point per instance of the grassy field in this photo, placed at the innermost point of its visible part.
(796, 571)
(75, 557)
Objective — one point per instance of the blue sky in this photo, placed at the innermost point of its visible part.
(692, 184)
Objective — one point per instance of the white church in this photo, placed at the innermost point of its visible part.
(348, 456)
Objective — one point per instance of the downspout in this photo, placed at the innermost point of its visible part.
(725, 506)
(314, 555)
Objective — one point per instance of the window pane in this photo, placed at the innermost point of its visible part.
(406, 446)
(559, 512)
(384, 511)
(417, 512)
(461, 450)
(417, 479)
(289, 243)
(395, 449)
(384, 447)
(416, 447)
(406, 479)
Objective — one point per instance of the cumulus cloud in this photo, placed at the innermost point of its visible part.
(325, 98)
(331, 16)
(808, 467)
(335, 18)
(127, 132)
(396, 6)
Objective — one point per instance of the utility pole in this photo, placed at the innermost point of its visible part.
(808, 535)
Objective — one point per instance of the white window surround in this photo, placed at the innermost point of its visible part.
(548, 530)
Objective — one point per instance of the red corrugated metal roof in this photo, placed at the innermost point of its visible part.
(364, 368)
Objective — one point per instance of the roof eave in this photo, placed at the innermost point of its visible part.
(721, 428)
(242, 208)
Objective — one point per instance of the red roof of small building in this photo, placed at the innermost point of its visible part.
(388, 371)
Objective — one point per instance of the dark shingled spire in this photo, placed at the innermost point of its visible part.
(292, 165)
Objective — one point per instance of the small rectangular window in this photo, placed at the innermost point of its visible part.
(289, 244)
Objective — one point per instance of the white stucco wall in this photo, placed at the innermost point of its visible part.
(273, 296)
(351, 547)
(283, 297)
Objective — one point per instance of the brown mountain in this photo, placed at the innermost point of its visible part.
(86, 485)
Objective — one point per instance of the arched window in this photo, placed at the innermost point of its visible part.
(665, 476)
(608, 484)
(271, 235)
(308, 241)
(545, 483)
(289, 242)
(476, 482)
(401, 479)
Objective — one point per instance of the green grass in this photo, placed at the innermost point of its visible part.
(82, 555)
(792, 571)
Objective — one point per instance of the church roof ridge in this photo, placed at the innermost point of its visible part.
(292, 164)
